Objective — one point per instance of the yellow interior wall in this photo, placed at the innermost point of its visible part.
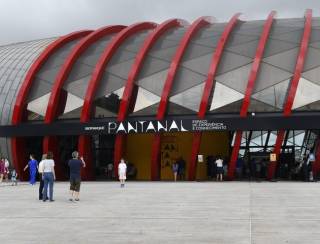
(138, 152)
(212, 143)
(173, 145)
(182, 144)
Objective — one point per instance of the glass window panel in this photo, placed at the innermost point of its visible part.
(243, 141)
(264, 137)
(298, 140)
(272, 138)
(241, 152)
(108, 106)
(255, 149)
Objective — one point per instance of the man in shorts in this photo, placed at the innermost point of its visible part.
(75, 165)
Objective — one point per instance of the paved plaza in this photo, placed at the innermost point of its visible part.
(164, 212)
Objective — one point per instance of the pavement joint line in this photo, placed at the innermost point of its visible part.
(250, 212)
(123, 217)
(134, 217)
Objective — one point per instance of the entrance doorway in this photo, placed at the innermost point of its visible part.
(103, 150)
(33, 146)
(256, 147)
(67, 145)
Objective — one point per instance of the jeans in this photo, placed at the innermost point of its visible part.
(48, 181)
(41, 187)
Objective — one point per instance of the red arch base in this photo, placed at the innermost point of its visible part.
(85, 150)
(209, 84)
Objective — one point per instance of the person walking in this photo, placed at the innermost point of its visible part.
(48, 177)
(33, 168)
(14, 176)
(122, 172)
(40, 170)
(2, 169)
(219, 163)
(175, 168)
(181, 168)
(75, 165)
(109, 171)
(311, 161)
(6, 169)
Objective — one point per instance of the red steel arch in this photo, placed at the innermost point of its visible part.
(293, 86)
(136, 66)
(64, 72)
(57, 97)
(192, 30)
(97, 74)
(250, 85)
(209, 83)
(127, 98)
(19, 153)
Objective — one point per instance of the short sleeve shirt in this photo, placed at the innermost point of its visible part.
(48, 164)
(75, 168)
(219, 162)
(122, 167)
(40, 169)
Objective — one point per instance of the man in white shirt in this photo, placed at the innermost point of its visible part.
(122, 172)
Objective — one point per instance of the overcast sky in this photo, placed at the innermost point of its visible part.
(23, 20)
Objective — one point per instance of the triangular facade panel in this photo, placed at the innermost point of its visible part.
(145, 99)
(154, 83)
(230, 61)
(307, 92)
(152, 66)
(236, 79)
(189, 98)
(246, 49)
(108, 84)
(73, 102)
(199, 65)
(185, 79)
(195, 51)
(312, 75)
(224, 95)
(268, 76)
(274, 95)
(284, 60)
(293, 36)
(258, 106)
(276, 46)
(312, 59)
(39, 105)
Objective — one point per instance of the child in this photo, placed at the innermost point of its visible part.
(14, 176)
(122, 172)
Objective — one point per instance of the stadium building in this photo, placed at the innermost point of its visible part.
(152, 93)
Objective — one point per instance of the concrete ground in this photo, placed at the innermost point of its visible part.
(164, 212)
